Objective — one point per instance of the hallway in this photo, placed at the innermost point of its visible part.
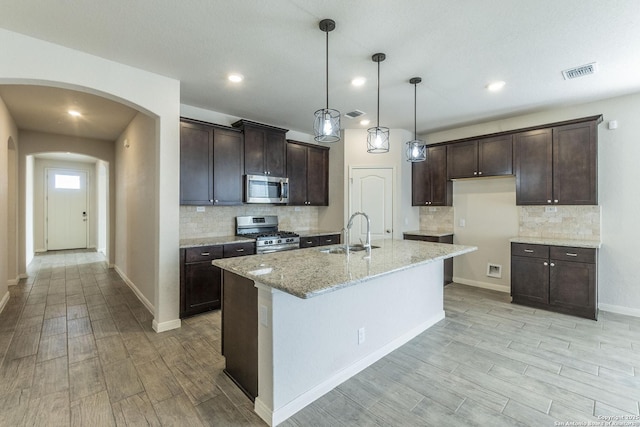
(79, 350)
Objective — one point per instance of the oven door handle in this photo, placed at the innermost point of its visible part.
(281, 190)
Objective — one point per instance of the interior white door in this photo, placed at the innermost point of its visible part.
(66, 209)
(371, 193)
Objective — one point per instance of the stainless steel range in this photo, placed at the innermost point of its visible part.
(265, 230)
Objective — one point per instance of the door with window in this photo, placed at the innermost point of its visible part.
(67, 216)
(371, 193)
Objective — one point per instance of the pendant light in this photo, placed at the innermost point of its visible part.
(378, 137)
(326, 126)
(416, 149)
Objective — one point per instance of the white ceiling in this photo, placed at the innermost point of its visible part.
(456, 46)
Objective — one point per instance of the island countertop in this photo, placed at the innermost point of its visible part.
(306, 273)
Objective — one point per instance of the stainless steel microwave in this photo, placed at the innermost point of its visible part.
(266, 189)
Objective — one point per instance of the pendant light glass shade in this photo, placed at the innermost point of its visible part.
(326, 126)
(378, 137)
(416, 149)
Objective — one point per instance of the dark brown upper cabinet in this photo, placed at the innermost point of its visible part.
(211, 164)
(430, 186)
(264, 149)
(557, 165)
(484, 157)
(308, 172)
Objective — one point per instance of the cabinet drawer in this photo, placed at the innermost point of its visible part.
(203, 253)
(308, 242)
(561, 253)
(329, 239)
(239, 249)
(527, 250)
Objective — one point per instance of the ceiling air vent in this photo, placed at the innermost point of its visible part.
(583, 70)
(353, 114)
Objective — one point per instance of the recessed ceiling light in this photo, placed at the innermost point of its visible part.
(495, 86)
(358, 81)
(74, 113)
(365, 122)
(235, 78)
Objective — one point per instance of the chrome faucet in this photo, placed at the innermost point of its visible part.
(350, 224)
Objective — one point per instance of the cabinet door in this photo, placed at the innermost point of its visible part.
(575, 180)
(495, 156)
(317, 176)
(202, 283)
(328, 239)
(572, 287)
(420, 184)
(534, 167)
(274, 153)
(227, 167)
(529, 280)
(254, 151)
(297, 173)
(462, 160)
(196, 164)
(441, 188)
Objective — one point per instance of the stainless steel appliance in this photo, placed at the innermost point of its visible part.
(265, 230)
(266, 189)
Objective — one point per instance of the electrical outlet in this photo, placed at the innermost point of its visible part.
(462, 223)
(361, 336)
(200, 209)
(550, 209)
(264, 316)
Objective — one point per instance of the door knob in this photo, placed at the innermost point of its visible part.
(388, 231)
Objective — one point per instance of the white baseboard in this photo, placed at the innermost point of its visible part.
(4, 301)
(277, 416)
(38, 251)
(628, 311)
(136, 291)
(166, 326)
(23, 276)
(483, 285)
(14, 282)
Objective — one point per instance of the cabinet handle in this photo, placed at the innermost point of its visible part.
(546, 263)
(479, 173)
(555, 201)
(215, 201)
(309, 242)
(328, 240)
(204, 254)
(240, 250)
(548, 201)
(553, 265)
(475, 173)
(570, 254)
(529, 251)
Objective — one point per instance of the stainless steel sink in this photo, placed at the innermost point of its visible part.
(352, 248)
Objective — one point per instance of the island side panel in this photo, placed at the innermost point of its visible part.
(309, 346)
(240, 331)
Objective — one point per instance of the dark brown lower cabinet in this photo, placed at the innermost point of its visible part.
(556, 278)
(201, 282)
(321, 240)
(448, 263)
(240, 332)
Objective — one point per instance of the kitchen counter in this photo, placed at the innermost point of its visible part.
(211, 241)
(427, 233)
(314, 233)
(574, 243)
(307, 273)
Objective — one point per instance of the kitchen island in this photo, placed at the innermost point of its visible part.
(321, 317)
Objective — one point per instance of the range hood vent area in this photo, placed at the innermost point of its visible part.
(581, 71)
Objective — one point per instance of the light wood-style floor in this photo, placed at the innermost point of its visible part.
(77, 348)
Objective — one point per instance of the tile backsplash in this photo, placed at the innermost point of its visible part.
(569, 222)
(221, 220)
(436, 219)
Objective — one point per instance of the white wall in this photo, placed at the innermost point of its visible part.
(618, 177)
(8, 130)
(137, 223)
(30, 61)
(405, 216)
(488, 209)
(102, 211)
(13, 273)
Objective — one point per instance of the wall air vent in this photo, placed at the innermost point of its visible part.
(583, 70)
(353, 114)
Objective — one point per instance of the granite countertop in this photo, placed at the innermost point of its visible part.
(210, 241)
(306, 273)
(574, 243)
(429, 233)
(313, 233)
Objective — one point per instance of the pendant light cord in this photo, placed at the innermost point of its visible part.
(378, 120)
(415, 110)
(327, 67)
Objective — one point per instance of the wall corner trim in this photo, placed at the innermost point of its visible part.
(166, 326)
